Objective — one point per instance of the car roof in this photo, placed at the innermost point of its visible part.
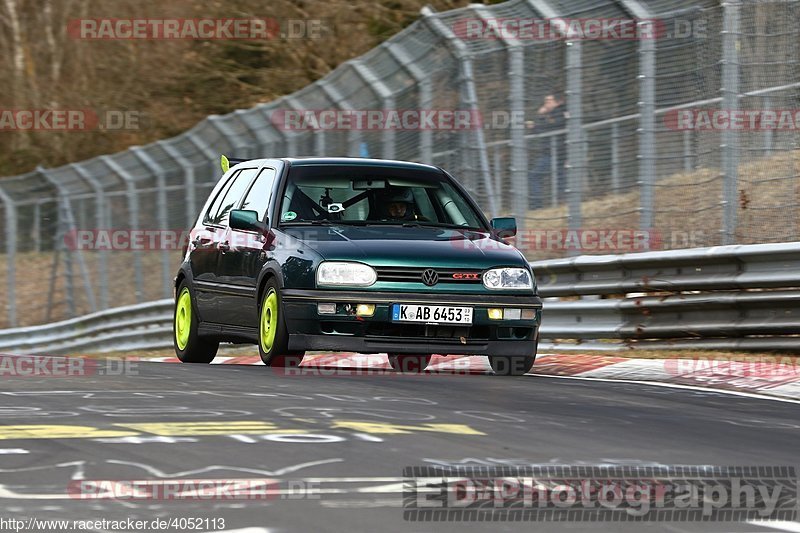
(347, 161)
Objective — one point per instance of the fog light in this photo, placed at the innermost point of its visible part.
(495, 313)
(326, 309)
(365, 310)
(511, 314)
(529, 314)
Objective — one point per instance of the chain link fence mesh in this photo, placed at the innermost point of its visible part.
(614, 162)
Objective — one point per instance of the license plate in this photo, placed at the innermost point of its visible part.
(431, 314)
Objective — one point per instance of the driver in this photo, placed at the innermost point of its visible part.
(400, 205)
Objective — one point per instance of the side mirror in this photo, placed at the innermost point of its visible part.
(246, 220)
(504, 227)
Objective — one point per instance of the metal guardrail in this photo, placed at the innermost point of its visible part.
(741, 297)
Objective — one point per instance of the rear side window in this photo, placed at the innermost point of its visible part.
(214, 207)
(228, 200)
(258, 197)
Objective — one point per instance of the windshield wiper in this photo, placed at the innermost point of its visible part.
(418, 224)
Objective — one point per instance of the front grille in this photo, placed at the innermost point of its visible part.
(414, 275)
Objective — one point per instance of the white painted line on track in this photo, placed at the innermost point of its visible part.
(778, 525)
(695, 388)
(13, 451)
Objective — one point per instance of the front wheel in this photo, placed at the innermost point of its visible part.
(410, 364)
(273, 336)
(189, 346)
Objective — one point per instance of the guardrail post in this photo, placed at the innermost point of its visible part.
(387, 102)
(10, 211)
(469, 97)
(133, 221)
(161, 214)
(730, 101)
(425, 96)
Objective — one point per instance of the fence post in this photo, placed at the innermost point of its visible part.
(353, 135)
(161, 214)
(66, 222)
(11, 250)
(254, 122)
(387, 102)
(133, 220)
(423, 81)
(189, 180)
(575, 152)
(469, 97)
(101, 223)
(615, 158)
(730, 138)
(647, 124)
(516, 105)
(687, 151)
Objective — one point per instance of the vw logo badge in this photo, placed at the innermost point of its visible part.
(430, 277)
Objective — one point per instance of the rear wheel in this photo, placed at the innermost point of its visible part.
(273, 337)
(410, 364)
(189, 346)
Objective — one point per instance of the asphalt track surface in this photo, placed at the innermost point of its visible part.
(336, 445)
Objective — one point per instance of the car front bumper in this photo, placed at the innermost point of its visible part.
(344, 331)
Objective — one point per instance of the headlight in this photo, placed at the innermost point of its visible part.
(507, 278)
(340, 273)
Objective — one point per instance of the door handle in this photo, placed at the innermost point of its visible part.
(200, 241)
(224, 246)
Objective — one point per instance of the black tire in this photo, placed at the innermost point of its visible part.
(278, 354)
(409, 363)
(196, 349)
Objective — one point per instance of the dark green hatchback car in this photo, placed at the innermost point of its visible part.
(353, 255)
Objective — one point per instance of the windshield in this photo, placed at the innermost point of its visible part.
(375, 195)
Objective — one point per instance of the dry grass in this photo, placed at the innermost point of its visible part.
(689, 203)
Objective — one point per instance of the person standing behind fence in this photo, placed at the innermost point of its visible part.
(549, 117)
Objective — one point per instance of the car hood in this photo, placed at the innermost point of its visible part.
(408, 246)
